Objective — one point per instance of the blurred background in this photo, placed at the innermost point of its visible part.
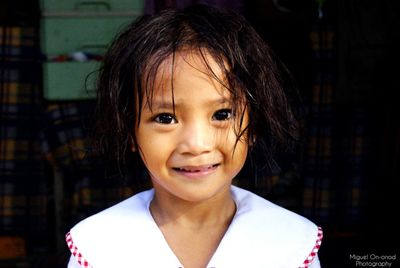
(344, 55)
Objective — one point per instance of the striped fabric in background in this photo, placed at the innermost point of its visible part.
(337, 142)
(23, 191)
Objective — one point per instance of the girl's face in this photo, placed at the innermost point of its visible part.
(186, 137)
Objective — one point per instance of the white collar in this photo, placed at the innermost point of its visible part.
(261, 234)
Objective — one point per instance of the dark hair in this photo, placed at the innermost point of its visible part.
(250, 67)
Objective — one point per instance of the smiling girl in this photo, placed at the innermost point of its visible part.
(193, 94)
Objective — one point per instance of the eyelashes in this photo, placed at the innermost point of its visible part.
(222, 115)
(165, 118)
(168, 118)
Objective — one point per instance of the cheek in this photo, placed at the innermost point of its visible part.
(234, 151)
(229, 140)
(240, 153)
(153, 148)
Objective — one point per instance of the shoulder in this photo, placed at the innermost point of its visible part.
(97, 236)
(255, 208)
(131, 206)
(289, 237)
(121, 215)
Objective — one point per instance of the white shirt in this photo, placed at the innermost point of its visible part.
(261, 235)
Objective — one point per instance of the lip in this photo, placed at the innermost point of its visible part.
(196, 172)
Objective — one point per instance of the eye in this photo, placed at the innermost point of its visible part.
(165, 119)
(222, 115)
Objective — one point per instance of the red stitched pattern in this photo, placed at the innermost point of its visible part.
(75, 252)
(314, 251)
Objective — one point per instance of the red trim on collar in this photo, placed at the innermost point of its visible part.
(314, 251)
(75, 252)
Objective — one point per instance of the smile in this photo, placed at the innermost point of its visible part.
(196, 170)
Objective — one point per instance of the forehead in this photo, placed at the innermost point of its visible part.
(188, 68)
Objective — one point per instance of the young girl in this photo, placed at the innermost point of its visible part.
(191, 95)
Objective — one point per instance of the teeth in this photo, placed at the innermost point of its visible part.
(197, 169)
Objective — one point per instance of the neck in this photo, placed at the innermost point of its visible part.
(217, 211)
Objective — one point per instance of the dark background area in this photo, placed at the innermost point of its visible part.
(345, 176)
(353, 115)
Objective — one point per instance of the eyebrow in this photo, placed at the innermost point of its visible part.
(159, 105)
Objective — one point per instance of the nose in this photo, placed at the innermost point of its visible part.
(196, 137)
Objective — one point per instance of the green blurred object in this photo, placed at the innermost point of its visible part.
(85, 5)
(81, 26)
(69, 80)
(64, 35)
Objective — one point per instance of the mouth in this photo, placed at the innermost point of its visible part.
(196, 169)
